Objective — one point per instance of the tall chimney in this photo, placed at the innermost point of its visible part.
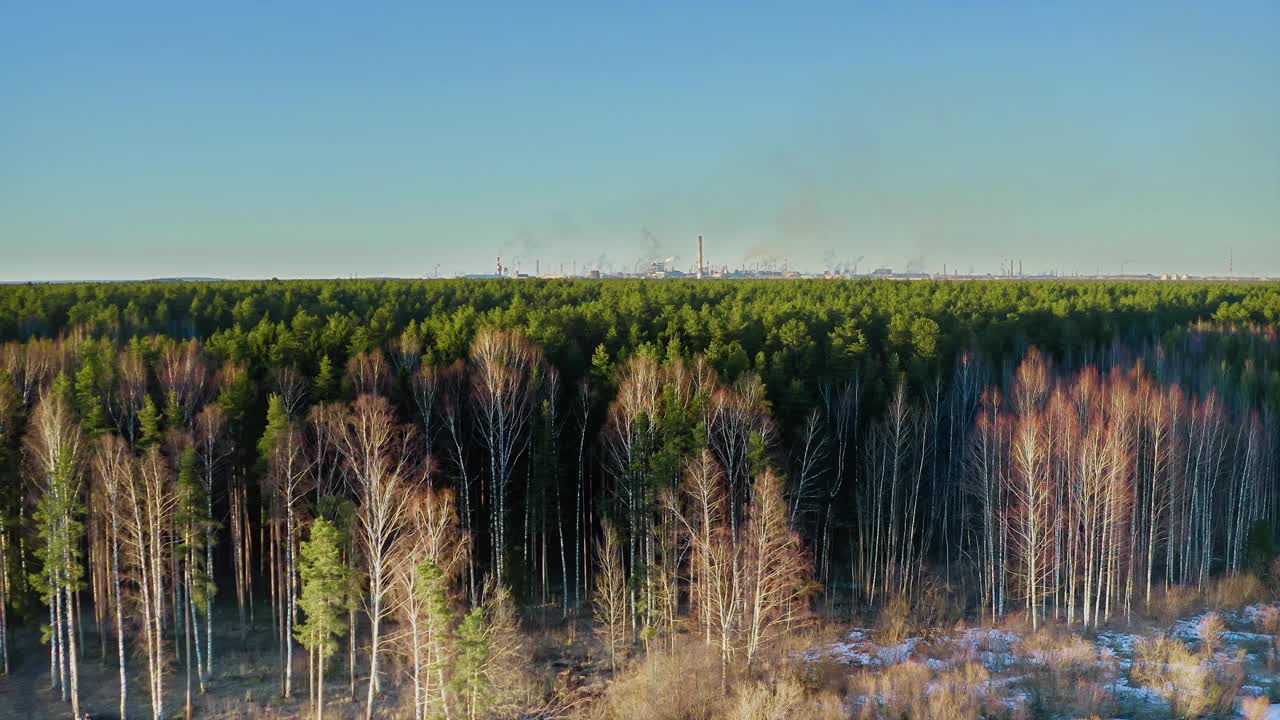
(699, 257)
(499, 265)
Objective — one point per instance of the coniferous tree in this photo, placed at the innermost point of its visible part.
(489, 652)
(150, 424)
(326, 382)
(325, 578)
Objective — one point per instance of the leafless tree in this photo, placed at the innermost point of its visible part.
(368, 373)
(502, 372)
(113, 470)
(130, 392)
(184, 378)
(289, 477)
(610, 598)
(738, 416)
(777, 574)
(55, 447)
(292, 387)
(452, 393)
(430, 560)
(810, 460)
(147, 518)
(380, 461)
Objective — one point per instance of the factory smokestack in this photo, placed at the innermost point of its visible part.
(499, 265)
(699, 257)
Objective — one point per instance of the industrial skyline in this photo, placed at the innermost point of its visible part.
(670, 267)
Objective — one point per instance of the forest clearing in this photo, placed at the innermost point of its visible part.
(1230, 659)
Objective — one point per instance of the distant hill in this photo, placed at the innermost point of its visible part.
(146, 280)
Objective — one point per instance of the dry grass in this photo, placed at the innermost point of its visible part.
(1017, 622)
(932, 606)
(1212, 626)
(685, 684)
(893, 625)
(1268, 619)
(1066, 671)
(680, 685)
(1236, 591)
(784, 700)
(913, 690)
(1255, 708)
(963, 692)
(1193, 686)
(1177, 602)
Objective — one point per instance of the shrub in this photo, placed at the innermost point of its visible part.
(936, 604)
(1260, 548)
(1267, 618)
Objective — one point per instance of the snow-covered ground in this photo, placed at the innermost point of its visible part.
(1011, 656)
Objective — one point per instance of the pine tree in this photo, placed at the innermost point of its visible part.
(89, 392)
(326, 382)
(488, 653)
(469, 680)
(432, 587)
(277, 426)
(325, 580)
(151, 423)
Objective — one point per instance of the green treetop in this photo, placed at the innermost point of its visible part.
(324, 589)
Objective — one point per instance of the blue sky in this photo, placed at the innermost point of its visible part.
(314, 139)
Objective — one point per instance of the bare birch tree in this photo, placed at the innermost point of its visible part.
(379, 457)
(503, 373)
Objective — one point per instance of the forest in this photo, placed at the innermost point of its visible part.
(603, 499)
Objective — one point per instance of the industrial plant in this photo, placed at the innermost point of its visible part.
(668, 268)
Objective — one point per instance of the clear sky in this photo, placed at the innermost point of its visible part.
(317, 139)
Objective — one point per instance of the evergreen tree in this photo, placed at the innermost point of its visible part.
(151, 423)
(326, 382)
(89, 393)
(488, 653)
(470, 681)
(277, 426)
(325, 581)
(432, 586)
